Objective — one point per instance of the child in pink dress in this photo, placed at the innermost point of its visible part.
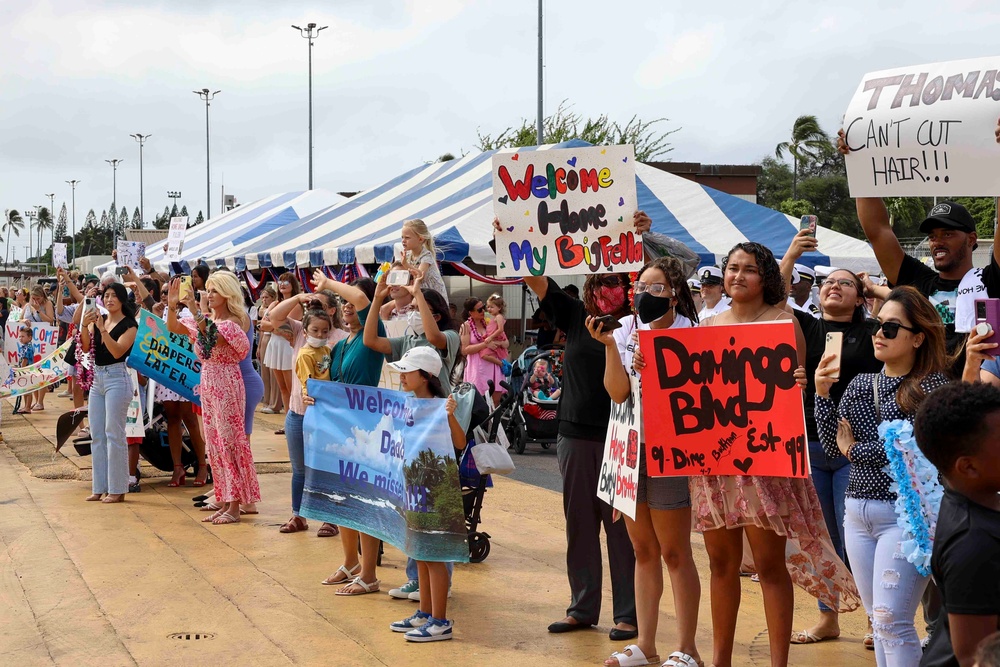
(497, 308)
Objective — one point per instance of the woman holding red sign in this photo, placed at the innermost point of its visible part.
(662, 524)
(772, 511)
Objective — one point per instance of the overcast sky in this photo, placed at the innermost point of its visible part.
(399, 82)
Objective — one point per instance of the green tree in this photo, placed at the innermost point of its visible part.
(906, 214)
(13, 224)
(105, 221)
(174, 212)
(60, 232)
(806, 140)
(564, 125)
(44, 222)
(984, 210)
(796, 207)
(137, 219)
(199, 218)
(184, 211)
(447, 157)
(91, 219)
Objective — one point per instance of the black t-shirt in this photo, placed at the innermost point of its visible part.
(857, 356)
(966, 568)
(103, 356)
(943, 294)
(584, 405)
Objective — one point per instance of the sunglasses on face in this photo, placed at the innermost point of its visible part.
(653, 289)
(480, 309)
(843, 282)
(889, 329)
(284, 283)
(611, 281)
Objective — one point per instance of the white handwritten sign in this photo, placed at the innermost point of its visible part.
(619, 480)
(129, 254)
(175, 238)
(59, 256)
(566, 211)
(925, 131)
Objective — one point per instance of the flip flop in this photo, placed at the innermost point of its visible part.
(806, 637)
(632, 656)
(224, 519)
(365, 588)
(348, 576)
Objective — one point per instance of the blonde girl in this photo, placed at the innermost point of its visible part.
(420, 257)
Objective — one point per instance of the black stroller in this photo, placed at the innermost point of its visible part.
(529, 414)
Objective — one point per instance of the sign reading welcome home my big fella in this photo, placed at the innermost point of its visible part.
(723, 401)
(566, 211)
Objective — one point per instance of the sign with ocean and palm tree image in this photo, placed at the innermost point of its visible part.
(382, 462)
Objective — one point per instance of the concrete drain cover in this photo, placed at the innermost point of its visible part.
(190, 636)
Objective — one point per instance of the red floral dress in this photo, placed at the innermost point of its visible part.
(223, 401)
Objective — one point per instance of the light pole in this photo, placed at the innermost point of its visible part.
(208, 96)
(32, 214)
(72, 184)
(308, 33)
(114, 195)
(141, 138)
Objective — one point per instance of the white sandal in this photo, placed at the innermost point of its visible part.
(349, 576)
(679, 659)
(633, 656)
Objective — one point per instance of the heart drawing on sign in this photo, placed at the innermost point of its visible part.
(620, 218)
(502, 200)
(510, 229)
(603, 151)
(624, 159)
(621, 201)
(531, 229)
(514, 157)
(743, 464)
(571, 162)
(527, 213)
(502, 265)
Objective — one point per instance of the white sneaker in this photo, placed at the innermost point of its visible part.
(415, 595)
(407, 590)
(434, 630)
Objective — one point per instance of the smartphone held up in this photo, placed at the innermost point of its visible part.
(809, 222)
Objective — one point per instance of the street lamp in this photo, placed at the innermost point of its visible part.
(114, 194)
(141, 138)
(32, 214)
(208, 96)
(72, 184)
(308, 33)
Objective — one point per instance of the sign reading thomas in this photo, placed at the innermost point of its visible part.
(925, 130)
(566, 211)
(381, 462)
(723, 401)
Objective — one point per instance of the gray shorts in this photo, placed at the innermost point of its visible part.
(661, 493)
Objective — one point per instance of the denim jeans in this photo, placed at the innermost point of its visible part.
(296, 456)
(109, 398)
(890, 586)
(830, 479)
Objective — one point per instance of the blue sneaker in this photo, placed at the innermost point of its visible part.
(411, 623)
(434, 630)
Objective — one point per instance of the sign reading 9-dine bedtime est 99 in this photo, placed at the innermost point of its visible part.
(723, 401)
(566, 211)
(925, 131)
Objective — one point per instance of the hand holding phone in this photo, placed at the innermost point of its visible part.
(834, 346)
(610, 322)
(398, 278)
(809, 222)
(988, 314)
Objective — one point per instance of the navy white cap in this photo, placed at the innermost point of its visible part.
(806, 272)
(710, 275)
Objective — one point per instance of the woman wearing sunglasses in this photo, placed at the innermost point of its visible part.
(909, 339)
(842, 298)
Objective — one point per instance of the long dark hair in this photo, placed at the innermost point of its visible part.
(440, 308)
(770, 273)
(593, 283)
(468, 307)
(676, 274)
(128, 308)
(433, 384)
(931, 356)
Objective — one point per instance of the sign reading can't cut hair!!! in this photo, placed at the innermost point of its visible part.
(723, 401)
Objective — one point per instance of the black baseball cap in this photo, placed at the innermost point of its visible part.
(951, 215)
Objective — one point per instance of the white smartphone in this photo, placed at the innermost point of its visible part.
(400, 278)
(834, 346)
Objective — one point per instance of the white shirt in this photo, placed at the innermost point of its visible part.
(720, 307)
(970, 289)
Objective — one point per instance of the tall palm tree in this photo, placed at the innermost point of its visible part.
(13, 222)
(43, 222)
(807, 138)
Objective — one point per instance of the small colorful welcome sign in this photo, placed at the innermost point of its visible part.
(566, 211)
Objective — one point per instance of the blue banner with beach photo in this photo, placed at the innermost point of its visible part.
(382, 462)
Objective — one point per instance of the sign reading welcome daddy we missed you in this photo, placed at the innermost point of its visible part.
(926, 130)
(566, 211)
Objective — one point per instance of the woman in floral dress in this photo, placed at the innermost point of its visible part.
(220, 343)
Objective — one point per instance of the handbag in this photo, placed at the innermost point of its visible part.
(490, 458)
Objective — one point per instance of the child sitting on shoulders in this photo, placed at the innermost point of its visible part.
(956, 430)
(313, 361)
(419, 256)
(495, 332)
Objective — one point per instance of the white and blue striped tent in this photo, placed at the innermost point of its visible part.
(244, 224)
(455, 200)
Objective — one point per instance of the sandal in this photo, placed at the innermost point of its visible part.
(328, 530)
(224, 519)
(348, 575)
(280, 431)
(213, 517)
(113, 498)
(632, 656)
(211, 507)
(294, 525)
(806, 637)
(365, 588)
(679, 659)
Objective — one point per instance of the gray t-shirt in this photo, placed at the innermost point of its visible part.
(402, 344)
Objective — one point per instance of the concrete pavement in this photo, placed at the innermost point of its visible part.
(91, 584)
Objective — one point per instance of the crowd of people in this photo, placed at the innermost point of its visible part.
(914, 388)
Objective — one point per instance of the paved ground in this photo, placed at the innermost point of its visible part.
(90, 584)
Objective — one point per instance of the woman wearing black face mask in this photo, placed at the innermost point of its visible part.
(662, 524)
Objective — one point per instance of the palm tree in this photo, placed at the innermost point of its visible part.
(43, 222)
(807, 138)
(13, 222)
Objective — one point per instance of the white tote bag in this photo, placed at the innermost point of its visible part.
(490, 458)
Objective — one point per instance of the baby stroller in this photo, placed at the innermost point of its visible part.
(473, 484)
(155, 448)
(530, 407)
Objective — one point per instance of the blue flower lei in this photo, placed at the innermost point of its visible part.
(918, 492)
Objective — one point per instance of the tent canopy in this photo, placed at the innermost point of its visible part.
(455, 200)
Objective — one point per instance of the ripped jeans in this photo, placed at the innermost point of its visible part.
(890, 586)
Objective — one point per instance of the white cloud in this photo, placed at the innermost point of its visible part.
(686, 56)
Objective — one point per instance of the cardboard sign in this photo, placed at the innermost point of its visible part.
(925, 131)
(166, 357)
(41, 374)
(135, 428)
(129, 254)
(59, 256)
(175, 238)
(619, 479)
(566, 211)
(44, 337)
(382, 462)
(723, 401)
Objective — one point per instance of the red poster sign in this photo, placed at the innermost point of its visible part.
(722, 401)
